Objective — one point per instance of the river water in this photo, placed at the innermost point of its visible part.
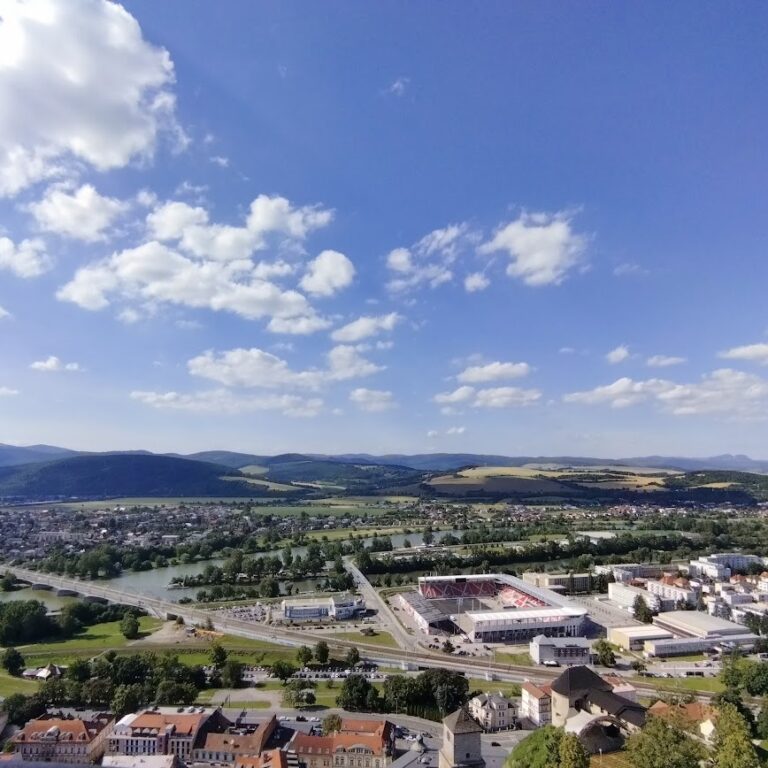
(155, 583)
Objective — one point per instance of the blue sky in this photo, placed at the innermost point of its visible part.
(500, 227)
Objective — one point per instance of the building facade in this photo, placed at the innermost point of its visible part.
(63, 740)
(562, 650)
(493, 711)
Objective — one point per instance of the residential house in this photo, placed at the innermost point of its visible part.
(63, 740)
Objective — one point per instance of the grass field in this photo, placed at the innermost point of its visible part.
(709, 684)
(383, 639)
(518, 659)
(99, 637)
(10, 685)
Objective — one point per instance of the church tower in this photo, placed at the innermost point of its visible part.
(461, 742)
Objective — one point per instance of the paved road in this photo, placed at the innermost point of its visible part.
(385, 613)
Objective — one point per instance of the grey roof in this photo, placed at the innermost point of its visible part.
(579, 680)
(619, 706)
(461, 721)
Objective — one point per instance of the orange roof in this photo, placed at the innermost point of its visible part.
(694, 712)
(184, 724)
(304, 744)
(251, 743)
(272, 758)
(373, 727)
(538, 692)
(68, 730)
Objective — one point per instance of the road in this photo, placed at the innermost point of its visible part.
(422, 658)
(385, 613)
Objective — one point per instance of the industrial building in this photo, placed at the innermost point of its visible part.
(338, 607)
(695, 631)
(491, 608)
(634, 638)
(562, 650)
(560, 582)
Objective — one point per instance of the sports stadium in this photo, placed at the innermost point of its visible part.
(490, 608)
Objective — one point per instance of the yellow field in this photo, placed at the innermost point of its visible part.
(254, 469)
(265, 484)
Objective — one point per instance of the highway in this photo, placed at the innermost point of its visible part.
(391, 657)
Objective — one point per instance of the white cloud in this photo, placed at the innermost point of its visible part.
(460, 395)
(221, 161)
(455, 430)
(129, 316)
(372, 399)
(505, 397)
(428, 262)
(327, 274)
(618, 354)
(475, 282)
(365, 327)
(27, 259)
(156, 273)
(4, 313)
(83, 214)
(630, 270)
(298, 326)
(346, 362)
(543, 248)
(227, 402)
(432, 433)
(724, 391)
(492, 397)
(664, 361)
(496, 371)
(255, 368)
(53, 364)
(251, 368)
(399, 86)
(79, 83)
(268, 217)
(757, 353)
(8, 392)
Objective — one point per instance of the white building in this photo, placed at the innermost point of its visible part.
(672, 591)
(720, 566)
(338, 607)
(494, 711)
(563, 650)
(624, 595)
(536, 703)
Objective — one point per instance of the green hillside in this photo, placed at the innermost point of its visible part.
(105, 475)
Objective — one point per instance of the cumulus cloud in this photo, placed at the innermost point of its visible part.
(8, 392)
(475, 282)
(491, 397)
(329, 273)
(664, 361)
(618, 354)
(27, 259)
(251, 368)
(428, 262)
(255, 368)
(543, 247)
(365, 327)
(724, 391)
(227, 402)
(53, 364)
(496, 371)
(83, 214)
(4, 313)
(756, 353)
(79, 83)
(450, 432)
(372, 399)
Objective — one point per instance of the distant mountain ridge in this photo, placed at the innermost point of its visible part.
(11, 455)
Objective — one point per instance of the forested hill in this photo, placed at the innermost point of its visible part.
(115, 475)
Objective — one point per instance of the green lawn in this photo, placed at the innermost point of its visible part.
(99, 637)
(494, 686)
(383, 639)
(10, 685)
(518, 659)
(709, 684)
